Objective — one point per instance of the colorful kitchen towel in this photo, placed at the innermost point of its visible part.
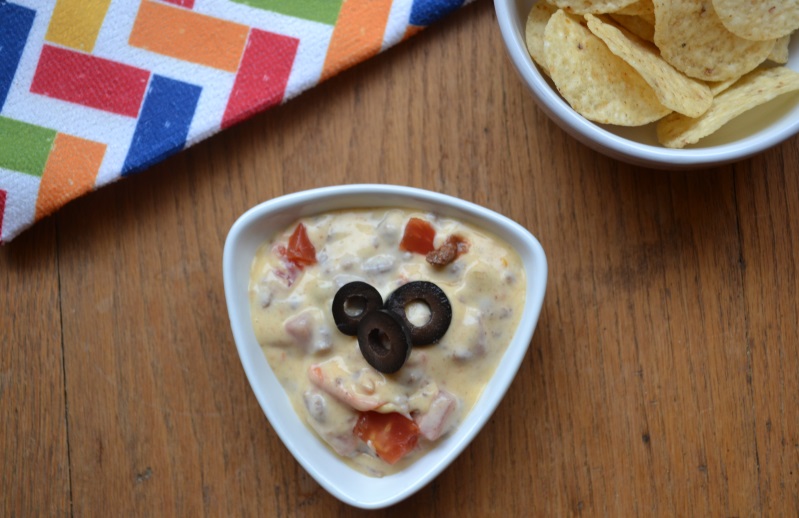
(95, 90)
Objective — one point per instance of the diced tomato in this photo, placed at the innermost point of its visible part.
(418, 237)
(391, 435)
(301, 251)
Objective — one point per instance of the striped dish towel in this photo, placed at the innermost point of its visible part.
(95, 90)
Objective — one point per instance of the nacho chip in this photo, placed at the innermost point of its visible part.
(591, 6)
(759, 19)
(779, 53)
(636, 25)
(754, 89)
(716, 87)
(534, 31)
(692, 38)
(599, 85)
(643, 8)
(673, 89)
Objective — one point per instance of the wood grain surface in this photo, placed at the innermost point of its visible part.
(663, 378)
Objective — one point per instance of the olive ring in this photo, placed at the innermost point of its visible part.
(435, 298)
(354, 295)
(384, 341)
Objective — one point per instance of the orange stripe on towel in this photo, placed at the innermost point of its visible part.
(71, 171)
(358, 34)
(190, 36)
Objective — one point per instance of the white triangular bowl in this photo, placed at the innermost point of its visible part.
(262, 221)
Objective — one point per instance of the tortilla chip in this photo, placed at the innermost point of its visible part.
(754, 89)
(534, 32)
(673, 89)
(591, 6)
(598, 84)
(716, 87)
(692, 38)
(636, 25)
(643, 8)
(779, 54)
(760, 20)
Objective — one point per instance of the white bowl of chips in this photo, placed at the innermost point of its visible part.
(663, 84)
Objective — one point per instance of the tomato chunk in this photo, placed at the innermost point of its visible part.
(391, 435)
(418, 237)
(301, 251)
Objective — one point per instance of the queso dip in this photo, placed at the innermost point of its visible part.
(377, 422)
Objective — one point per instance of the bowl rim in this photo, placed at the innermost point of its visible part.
(370, 492)
(604, 141)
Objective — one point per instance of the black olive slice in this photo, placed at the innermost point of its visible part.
(435, 298)
(352, 302)
(384, 340)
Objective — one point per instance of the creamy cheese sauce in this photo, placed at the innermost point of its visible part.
(323, 371)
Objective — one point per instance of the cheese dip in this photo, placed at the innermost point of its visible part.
(379, 423)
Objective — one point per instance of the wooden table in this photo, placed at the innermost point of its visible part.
(663, 378)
